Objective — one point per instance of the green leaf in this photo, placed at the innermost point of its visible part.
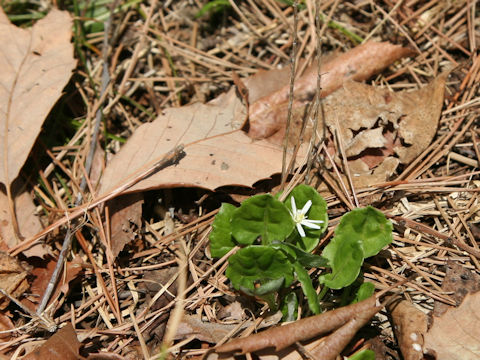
(369, 226)
(290, 307)
(257, 265)
(214, 6)
(307, 287)
(318, 211)
(365, 354)
(261, 216)
(345, 257)
(304, 258)
(364, 292)
(360, 234)
(221, 241)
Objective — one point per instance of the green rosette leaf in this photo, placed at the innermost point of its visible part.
(369, 226)
(261, 216)
(221, 241)
(318, 211)
(259, 269)
(345, 257)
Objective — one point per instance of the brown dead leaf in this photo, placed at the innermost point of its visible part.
(217, 152)
(35, 65)
(459, 280)
(13, 278)
(5, 325)
(456, 335)
(41, 274)
(410, 328)
(63, 345)
(334, 343)
(282, 336)
(28, 222)
(125, 220)
(377, 127)
(268, 115)
(203, 331)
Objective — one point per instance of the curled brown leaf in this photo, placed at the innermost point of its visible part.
(282, 336)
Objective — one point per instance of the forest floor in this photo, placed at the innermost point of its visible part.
(146, 77)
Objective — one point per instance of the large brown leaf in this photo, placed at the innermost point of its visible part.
(269, 113)
(456, 335)
(217, 152)
(35, 65)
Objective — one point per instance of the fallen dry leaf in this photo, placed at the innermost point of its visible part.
(125, 220)
(267, 115)
(458, 280)
(63, 345)
(35, 66)
(282, 336)
(6, 325)
(41, 274)
(13, 278)
(28, 222)
(333, 344)
(379, 129)
(218, 153)
(410, 326)
(456, 335)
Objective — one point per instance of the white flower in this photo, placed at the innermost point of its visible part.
(300, 217)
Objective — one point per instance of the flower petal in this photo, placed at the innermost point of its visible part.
(300, 230)
(294, 206)
(306, 207)
(309, 224)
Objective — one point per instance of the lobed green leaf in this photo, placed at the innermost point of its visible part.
(369, 226)
(257, 265)
(221, 241)
(261, 216)
(345, 257)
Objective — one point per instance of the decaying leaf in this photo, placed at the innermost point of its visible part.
(28, 222)
(214, 332)
(13, 278)
(268, 115)
(458, 280)
(410, 328)
(6, 325)
(217, 152)
(63, 345)
(41, 274)
(456, 335)
(125, 220)
(35, 65)
(334, 343)
(282, 336)
(379, 129)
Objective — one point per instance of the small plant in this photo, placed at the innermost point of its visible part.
(277, 238)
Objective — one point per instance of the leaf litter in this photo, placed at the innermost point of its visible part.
(435, 187)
